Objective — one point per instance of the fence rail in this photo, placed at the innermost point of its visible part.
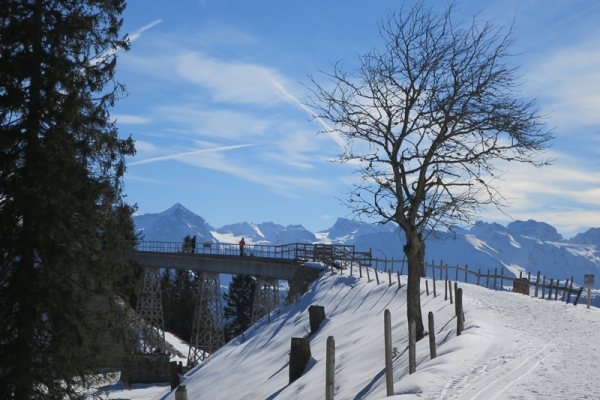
(547, 288)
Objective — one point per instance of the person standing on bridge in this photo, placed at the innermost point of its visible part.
(193, 244)
(242, 244)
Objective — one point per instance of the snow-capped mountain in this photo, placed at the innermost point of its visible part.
(172, 225)
(346, 231)
(521, 246)
(265, 233)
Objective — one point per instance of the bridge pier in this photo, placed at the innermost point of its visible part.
(207, 329)
(266, 297)
(149, 333)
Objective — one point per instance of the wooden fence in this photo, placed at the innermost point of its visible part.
(547, 288)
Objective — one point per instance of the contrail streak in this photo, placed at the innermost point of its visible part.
(135, 35)
(334, 135)
(187, 153)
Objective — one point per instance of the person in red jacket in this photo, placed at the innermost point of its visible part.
(242, 244)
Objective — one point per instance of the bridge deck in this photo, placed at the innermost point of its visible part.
(268, 261)
(278, 268)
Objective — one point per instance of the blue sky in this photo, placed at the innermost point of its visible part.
(215, 105)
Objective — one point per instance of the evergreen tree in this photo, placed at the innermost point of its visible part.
(238, 311)
(63, 221)
(179, 290)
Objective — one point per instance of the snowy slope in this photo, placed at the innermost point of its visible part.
(513, 347)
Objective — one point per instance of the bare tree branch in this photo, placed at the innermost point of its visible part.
(428, 116)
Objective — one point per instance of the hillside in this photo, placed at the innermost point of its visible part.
(513, 346)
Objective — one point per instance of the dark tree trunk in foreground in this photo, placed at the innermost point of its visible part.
(428, 116)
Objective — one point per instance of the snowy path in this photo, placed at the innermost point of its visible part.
(542, 349)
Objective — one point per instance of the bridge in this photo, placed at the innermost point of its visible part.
(297, 263)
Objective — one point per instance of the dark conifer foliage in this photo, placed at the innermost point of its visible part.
(63, 222)
(179, 293)
(238, 311)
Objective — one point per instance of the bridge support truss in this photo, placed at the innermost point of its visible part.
(207, 329)
(149, 331)
(266, 298)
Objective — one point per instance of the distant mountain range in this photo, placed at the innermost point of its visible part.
(527, 246)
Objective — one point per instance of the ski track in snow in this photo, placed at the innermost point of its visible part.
(535, 367)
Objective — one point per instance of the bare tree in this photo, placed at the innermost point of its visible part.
(426, 119)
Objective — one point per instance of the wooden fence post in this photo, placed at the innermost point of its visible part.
(578, 296)
(316, 315)
(181, 393)
(460, 325)
(174, 375)
(556, 291)
(390, 277)
(450, 291)
(478, 275)
(427, 287)
(389, 372)
(543, 287)
(376, 276)
(455, 299)
(434, 293)
(446, 289)
(399, 283)
(430, 327)
(299, 357)
(466, 272)
(550, 288)
(368, 276)
(495, 277)
(330, 369)
(570, 289)
(487, 281)
(441, 270)
(502, 279)
(412, 344)
(456, 277)
(537, 281)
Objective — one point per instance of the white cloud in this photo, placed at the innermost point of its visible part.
(568, 84)
(231, 82)
(123, 119)
(215, 122)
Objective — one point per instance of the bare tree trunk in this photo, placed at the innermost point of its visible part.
(413, 288)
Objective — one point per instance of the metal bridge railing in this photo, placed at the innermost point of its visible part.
(339, 256)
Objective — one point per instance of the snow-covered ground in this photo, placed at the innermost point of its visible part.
(513, 347)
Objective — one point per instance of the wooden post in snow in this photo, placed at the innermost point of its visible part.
(389, 372)
(330, 368)
(299, 357)
(430, 327)
(460, 324)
